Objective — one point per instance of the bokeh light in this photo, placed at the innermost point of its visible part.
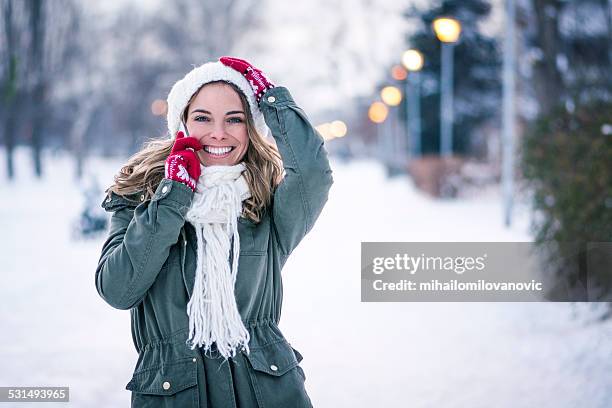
(378, 112)
(412, 60)
(447, 29)
(391, 95)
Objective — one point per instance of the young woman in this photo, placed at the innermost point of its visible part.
(202, 224)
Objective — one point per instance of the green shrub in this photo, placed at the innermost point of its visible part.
(567, 165)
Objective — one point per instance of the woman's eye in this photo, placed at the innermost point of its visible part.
(201, 119)
(235, 120)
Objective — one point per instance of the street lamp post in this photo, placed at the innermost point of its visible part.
(377, 113)
(395, 155)
(509, 113)
(447, 30)
(413, 62)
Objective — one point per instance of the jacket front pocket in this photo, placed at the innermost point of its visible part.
(168, 385)
(275, 376)
(254, 237)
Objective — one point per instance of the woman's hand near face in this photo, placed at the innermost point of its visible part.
(256, 78)
(182, 164)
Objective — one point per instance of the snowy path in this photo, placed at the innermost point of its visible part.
(56, 330)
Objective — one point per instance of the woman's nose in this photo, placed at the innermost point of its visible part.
(218, 134)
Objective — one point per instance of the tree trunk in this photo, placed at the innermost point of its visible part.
(9, 140)
(79, 130)
(38, 101)
(9, 87)
(548, 83)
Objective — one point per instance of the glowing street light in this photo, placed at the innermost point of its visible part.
(398, 73)
(448, 31)
(391, 95)
(159, 107)
(324, 130)
(332, 130)
(378, 112)
(338, 128)
(412, 60)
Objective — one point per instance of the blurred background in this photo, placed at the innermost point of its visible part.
(444, 120)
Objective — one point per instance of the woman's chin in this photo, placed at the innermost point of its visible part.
(215, 162)
(208, 160)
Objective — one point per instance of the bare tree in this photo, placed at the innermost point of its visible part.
(35, 49)
(573, 51)
(151, 51)
(548, 82)
(204, 30)
(38, 103)
(12, 67)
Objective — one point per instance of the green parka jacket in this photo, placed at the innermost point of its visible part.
(148, 264)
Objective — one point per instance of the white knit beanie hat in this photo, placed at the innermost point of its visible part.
(183, 90)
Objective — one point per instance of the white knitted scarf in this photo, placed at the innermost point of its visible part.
(216, 206)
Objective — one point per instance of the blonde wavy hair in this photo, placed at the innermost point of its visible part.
(264, 170)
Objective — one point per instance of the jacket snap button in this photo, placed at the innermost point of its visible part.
(273, 367)
(166, 385)
(194, 359)
(271, 99)
(164, 189)
(142, 197)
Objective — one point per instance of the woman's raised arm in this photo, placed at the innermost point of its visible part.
(301, 196)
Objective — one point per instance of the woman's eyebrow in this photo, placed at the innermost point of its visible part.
(207, 112)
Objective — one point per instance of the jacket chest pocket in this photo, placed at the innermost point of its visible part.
(277, 379)
(253, 237)
(169, 385)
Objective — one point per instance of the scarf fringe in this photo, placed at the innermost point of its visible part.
(212, 309)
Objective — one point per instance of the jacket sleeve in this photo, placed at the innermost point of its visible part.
(301, 196)
(139, 242)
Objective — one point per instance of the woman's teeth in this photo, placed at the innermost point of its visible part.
(218, 151)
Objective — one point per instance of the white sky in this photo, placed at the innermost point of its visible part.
(325, 51)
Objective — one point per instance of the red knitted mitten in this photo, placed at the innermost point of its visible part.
(256, 78)
(182, 164)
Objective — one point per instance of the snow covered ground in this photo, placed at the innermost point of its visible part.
(56, 330)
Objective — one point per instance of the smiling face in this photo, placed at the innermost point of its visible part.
(216, 117)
